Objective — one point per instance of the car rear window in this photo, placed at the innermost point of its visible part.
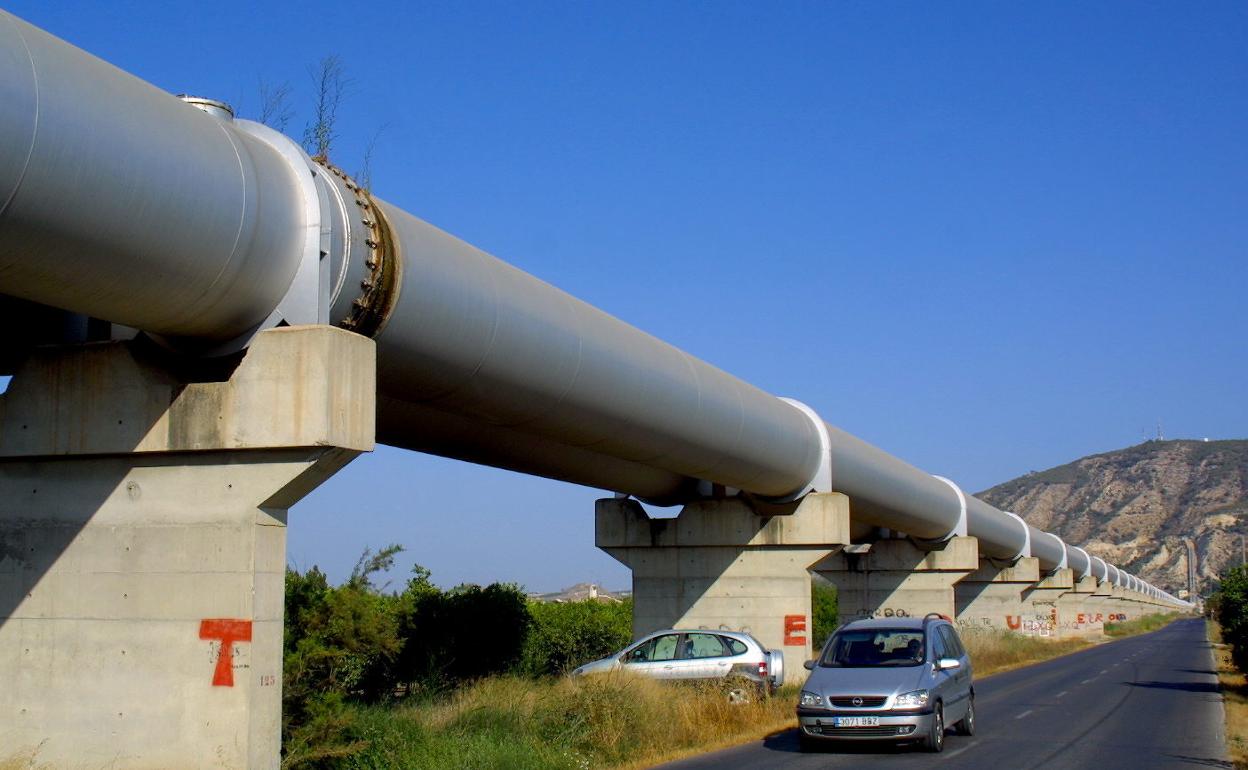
(868, 648)
(736, 646)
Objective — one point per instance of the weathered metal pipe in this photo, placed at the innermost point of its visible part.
(120, 202)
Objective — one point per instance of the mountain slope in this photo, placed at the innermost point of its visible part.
(1135, 506)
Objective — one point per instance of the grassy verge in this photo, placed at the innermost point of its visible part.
(566, 724)
(615, 721)
(1234, 694)
(1141, 625)
(995, 651)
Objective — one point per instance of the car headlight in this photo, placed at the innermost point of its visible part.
(911, 700)
(810, 699)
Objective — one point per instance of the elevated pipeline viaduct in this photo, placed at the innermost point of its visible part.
(205, 323)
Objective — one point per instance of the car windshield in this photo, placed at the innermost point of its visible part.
(868, 648)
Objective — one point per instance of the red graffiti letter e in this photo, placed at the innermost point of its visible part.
(794, 630)
(227, 632)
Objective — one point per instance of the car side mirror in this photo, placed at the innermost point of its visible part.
(948, 664)
(810, 665)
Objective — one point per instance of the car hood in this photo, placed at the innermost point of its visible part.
(880, 680)
(598, 666)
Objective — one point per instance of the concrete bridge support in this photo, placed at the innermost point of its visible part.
(1099, 602)
(896, 578)
(1042, 620)
(1076, 613)
(991, 597)
(1122, 607)
(143, 542)
(720, 564)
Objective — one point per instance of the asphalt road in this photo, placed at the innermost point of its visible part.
(1150, 701)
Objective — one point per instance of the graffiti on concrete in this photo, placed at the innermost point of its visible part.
(794, 630)
(225, 633)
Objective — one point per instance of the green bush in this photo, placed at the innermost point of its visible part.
(566, 635)
(824, 612)
(1232, 613)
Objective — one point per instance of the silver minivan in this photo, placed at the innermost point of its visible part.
(892, 679)
(747, 668)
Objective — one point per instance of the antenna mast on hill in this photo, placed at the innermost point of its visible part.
(1159, 436)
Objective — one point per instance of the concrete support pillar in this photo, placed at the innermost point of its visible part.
(1076, 615)
(991, 598)
(719, 564)
(1120, 606)
(1098, 603)
(142, 544)
(1042, 618)
(895, 578)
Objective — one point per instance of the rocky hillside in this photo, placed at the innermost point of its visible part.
(1136, 506)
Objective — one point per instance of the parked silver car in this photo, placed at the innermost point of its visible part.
(892, 679)
(747, 668)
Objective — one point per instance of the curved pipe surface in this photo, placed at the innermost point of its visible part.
(122, 202)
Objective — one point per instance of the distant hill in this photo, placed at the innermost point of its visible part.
(1135, 506)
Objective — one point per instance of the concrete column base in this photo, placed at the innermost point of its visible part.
(990, 599)
(143, 545)
(895, 578)
(1041, 619)
(1076, 613)
(721, 565)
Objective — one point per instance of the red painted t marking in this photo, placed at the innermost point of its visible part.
(228, 632)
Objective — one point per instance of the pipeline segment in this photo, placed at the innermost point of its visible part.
(120, 202)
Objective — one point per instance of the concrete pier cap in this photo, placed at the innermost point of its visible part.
(724, 564)
(143, 544)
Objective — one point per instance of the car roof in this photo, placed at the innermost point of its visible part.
(721, 632)
(908, 624)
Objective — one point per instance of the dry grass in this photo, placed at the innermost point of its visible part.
(995, 651)
(1234, 694)
(614, 720)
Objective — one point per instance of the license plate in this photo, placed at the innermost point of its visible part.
(855, 721)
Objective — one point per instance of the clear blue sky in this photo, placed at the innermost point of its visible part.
(990, 238)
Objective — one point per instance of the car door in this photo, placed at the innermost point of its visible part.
(955, 689)
(942, 680)
(654, 657)
(961, 676)
(704, 657)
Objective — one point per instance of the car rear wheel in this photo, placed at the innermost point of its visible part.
(966, 726)
(935, 740)
(745, 691)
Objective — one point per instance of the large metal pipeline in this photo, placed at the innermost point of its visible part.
(123, 203)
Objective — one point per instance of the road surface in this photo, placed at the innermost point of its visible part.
(1145, 702)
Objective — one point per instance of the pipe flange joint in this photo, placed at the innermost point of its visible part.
(821, 480)
(959, 529)
(1025, 551)
(1086, 560)
(378, 290)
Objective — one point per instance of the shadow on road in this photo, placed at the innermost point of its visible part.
(1184, 686)
(787, 742)
(1203, 761)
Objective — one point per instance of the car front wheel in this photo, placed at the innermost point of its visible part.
(935, 740)
(966, 726)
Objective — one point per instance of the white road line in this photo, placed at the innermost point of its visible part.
(1025, 713)
(1085, 681)
(1060, 694)
(952, 754)
(1103, 671)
